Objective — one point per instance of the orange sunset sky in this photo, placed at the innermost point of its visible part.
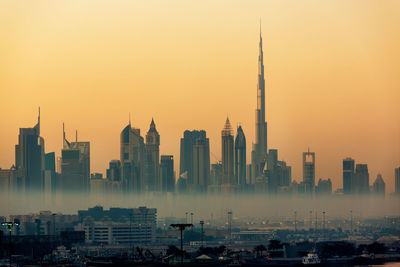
(332, 76)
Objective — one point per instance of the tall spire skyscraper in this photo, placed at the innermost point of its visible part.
(260, 149)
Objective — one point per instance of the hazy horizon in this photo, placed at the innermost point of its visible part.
(331, 71)
(242, 205)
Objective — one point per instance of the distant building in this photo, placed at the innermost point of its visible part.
(30, 159)
(348, 176)
(324, 187)
(133, 158)
(5, 180)
(216, 174)
(278, 174)
(44, 223)
(50, 177)
(118, 225)
(397, 181)
(167, 173)
(240, 157)
(194, 161)
(98, 185)
(114, 179)
(249, 176)
(228, 177)
(361, 181)
(75, 166)
(379, 187)
(309, 171)
(116, 233)
(260, 147)
(114, 171)
(153, 182)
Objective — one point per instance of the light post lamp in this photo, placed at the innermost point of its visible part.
(181, 227)
(202, 233)
(10, 226)
(130, 231)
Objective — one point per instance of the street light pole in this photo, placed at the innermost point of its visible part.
(10, 226)
(181, 227)
(202, 233)
(351, 221)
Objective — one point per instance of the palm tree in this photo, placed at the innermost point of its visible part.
(259, 250)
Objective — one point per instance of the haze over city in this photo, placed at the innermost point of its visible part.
(331, 72)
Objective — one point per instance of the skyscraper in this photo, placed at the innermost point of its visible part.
(278, 173)
(152, 159)
(195, 170)
(260, 147)
(379, 187)
(132, 160)
(227, 155)
(50, 176)
(167, 173)
(397, 181)
(324, 187)
(348, 176)
(29, 159)
(309, 171)
(361, 179)
(240, 157)
(75, 165)
(201, 165)
(114, 178)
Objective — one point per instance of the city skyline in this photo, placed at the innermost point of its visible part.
(369, 148)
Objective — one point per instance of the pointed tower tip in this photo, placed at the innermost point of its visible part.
(152, 124)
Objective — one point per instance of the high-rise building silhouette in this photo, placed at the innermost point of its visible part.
(216, 175)
(379, 187)
(75, 165)
(50, 176)
(132, 160)
(153, 182)
(397, 181)
(201, 164)
(361, 179)
(114, 171)
(30, 159)
(194, 166)
(260, 147)
(272, 178)
(228, 177)
(240, 157)
(114, 177)
(167, 173)
(278, 174)
(309, 171)
(348, 176)
(324, 187)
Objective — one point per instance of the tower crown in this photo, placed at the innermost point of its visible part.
(227, 131)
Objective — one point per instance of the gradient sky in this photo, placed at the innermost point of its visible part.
(332, 76)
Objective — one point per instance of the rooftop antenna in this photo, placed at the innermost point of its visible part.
(129, 118)
(76, 136)
(63, 132)
(39, 122)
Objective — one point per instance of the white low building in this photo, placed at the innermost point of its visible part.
(118, 233)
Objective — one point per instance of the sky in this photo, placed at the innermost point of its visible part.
(332, 71)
